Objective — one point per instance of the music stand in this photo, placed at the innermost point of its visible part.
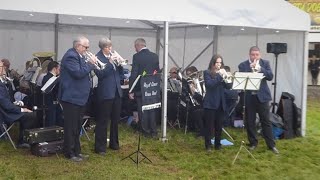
(148, 106)
(246, 81)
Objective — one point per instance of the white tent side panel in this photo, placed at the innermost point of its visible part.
(19, 41)
(185, 50)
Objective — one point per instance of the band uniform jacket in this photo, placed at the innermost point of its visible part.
(8, 111)
(75, 82)
(215, 87)
(264, 94)
(143, 60)
(109, 79)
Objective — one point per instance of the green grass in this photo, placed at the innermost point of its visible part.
(182, 157)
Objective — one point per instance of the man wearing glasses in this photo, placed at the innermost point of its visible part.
(73, 94)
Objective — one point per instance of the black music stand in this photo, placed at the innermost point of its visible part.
(246, 81)
(148, 106)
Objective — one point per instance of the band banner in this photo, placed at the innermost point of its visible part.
(150, 90)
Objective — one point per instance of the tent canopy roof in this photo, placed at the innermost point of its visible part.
(270, 14)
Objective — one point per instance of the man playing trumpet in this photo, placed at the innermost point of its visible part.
(258, 101)
(109, 92)
(74, 92)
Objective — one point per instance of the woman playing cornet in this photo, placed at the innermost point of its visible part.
(214, 103)
(109, 92)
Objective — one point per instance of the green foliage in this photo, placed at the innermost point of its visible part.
(182, 157)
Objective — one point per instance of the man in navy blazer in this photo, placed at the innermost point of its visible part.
(10, 113)
(148, 62)
(258, 101)
(109, 94)
(74, 92)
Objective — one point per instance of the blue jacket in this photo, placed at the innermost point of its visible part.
(8, 111)
(108, 79)
(263, 93)
(215, 87)
(75, 83)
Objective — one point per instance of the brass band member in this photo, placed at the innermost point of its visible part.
(214, 102)
(258, 101)
(109, 95)
(74, 91)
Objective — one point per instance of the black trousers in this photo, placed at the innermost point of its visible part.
(253, 106)
(147, 119)
(27, 121)
(73, 115)
(109, 109)
(213, 118)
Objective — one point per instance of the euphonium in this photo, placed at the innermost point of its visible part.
(99, 65)
(117, 59)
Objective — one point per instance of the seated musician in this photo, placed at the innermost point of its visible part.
(174, 89)
(10, 113)
(195, 122)
(54, 111)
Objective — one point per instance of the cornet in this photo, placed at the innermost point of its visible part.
(226, 76)
(117, 59)
(99, 65)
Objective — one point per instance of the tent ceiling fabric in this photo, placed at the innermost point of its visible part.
(248, 13)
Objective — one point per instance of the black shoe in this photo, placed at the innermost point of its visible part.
(115, 148)
(209, 149)
(24, 145)
(83, 156)
(253, 147)
(101, 153)
(275, 150)
(75, 159)
(217, 147)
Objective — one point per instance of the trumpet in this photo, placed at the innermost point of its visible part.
(99, 65)
(226, 76)
(117, 59)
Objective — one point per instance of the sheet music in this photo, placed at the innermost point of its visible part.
(134, 83)
(254, 81)
(48, 83)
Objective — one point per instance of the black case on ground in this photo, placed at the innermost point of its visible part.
(46, 134)
(46, 148)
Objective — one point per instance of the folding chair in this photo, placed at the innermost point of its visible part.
(6, 132)
(85, 121)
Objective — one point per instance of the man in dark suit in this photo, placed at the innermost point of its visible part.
(10, 113)
(258, 101)
(54, 111)
(74, 89)
(143, 62)
(109, 94)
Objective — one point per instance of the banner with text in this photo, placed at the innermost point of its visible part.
(150, 89)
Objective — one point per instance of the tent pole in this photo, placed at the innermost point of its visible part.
(304, 86)
(56, 36)
(164, 79)
(158, 41)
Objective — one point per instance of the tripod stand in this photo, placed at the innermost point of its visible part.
(137, 152)
(244, 82)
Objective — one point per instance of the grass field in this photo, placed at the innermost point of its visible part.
(182, 157)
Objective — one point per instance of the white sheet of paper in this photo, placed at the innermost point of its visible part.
(134, 83)
(254, 81)
(48, 83)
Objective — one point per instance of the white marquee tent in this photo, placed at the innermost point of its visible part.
(198, 29)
